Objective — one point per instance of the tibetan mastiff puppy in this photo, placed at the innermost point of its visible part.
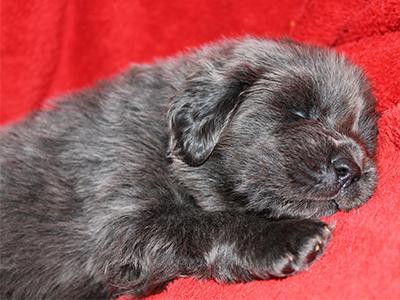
(216, 163)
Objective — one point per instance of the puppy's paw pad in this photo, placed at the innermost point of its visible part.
(302, 253)
(313, 247)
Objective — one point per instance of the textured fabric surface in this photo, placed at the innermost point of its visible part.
(51, 47)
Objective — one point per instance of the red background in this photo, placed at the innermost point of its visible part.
(50, 47)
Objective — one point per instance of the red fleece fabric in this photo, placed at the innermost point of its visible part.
(51, 47)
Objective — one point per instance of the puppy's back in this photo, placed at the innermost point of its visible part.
(60, 168)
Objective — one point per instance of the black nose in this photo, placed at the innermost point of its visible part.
(347, 171)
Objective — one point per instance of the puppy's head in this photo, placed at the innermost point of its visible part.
(281, 127)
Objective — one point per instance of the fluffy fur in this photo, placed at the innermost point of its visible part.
(213, 164)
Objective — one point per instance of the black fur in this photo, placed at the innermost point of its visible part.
(213, 164)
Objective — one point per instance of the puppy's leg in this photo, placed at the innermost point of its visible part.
(250, 248)
(140, 255)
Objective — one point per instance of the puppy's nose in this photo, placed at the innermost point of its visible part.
(347, 171)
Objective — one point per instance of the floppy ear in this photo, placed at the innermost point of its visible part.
(201, 111)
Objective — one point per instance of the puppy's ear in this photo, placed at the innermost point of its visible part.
(201, 111)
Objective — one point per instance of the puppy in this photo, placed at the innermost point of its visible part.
(213, 164)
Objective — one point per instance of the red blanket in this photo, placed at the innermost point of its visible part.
(50, 47)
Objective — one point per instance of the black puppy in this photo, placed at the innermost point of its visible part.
(213, 164)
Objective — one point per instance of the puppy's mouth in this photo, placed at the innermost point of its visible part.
(327, 196)
(331, 199)
(336, 197)
(328, 200)
(335, 202)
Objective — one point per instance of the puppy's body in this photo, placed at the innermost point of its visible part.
(208, 165)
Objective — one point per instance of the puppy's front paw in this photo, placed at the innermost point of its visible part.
(297, 245)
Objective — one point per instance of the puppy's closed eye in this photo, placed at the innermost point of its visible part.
(301, 114)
